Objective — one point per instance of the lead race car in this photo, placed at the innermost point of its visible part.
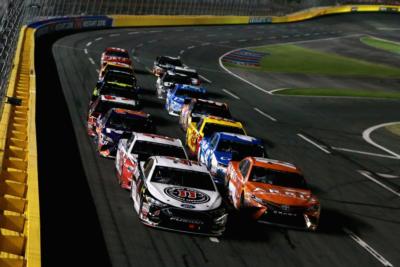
(179, 195)
(139, 147)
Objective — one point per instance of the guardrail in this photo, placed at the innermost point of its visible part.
(20, 220)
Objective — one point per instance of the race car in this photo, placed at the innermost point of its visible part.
(102, 104)
(181, 93)
(197, 108)
(164, 63)
(115, 66)
(119, 77)
(119, 123)
(275, 192)
(206, 127)
(191, 73)
(115, 89)
(168, 81)
(180, 195)
(139, 147)
(115, 54)
(217, 150)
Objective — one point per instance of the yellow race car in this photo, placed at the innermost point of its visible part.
(206, 127)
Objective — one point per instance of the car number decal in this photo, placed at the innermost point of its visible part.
(186, 195)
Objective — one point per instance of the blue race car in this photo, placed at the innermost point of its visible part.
(221, 147)
(177, 96)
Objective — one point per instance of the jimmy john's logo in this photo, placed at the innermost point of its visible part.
(186, 195)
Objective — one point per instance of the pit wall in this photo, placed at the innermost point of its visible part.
(19, 192)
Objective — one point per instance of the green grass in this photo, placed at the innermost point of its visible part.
(394, 129)
(381, 44)
(289, 58)
(338, 92)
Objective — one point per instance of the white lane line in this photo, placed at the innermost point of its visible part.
(152, 41)
(205, 79)
(384, 40)
(277, 90)
(98, 71)
(387, 176)
(85, 50)
(204, 44)
(363, 152)
(389, 29)
(149, 70)
(367, 247)
(223, 42)
(130, 33)
(190, 47)
(314, 143)
(92, 61)
(181, 52)
(369, 176)
(89, 44)
(98, 39)
(214, 239)
(237, 76)
(231, 94)
(139, 45)
(366, 135)
(265, 114)
(154, 31)
(211, 35)
(258, 39)
(114, 34)
(242, 40)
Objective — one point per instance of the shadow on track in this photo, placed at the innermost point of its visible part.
(70, 230)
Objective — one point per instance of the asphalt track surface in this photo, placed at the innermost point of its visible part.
(88, 219)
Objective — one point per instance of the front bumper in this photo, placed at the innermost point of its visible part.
(181, 220)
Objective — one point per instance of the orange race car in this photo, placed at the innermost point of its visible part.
(274, 192)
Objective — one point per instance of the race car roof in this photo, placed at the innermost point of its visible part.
(154, 138)
(116, 49)
(190, 88)
(184, 69)
(180, 163)
(240, 138)
(211, 102)
(117, 99)
(275, 164)
(220, 120)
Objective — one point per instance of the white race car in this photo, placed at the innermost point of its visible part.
(178, 194)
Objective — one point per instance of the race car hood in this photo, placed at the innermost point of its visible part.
(280, 195)
(185, 197)
(223, 157)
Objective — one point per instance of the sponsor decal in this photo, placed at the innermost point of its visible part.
(260, 20)
(354, 9)
(186, 195)
(185, 220)
(188, 206)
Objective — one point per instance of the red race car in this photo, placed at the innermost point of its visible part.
(274, 192)
(138, 148)
(115, 54)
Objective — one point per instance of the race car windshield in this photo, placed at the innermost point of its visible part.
(126, 92)
(147, 149)
(117, 54)
(240, 150)
(129, 123)
(121, 69)
(177, 79)
(279, 178)
(188, 93)
(212, 109)
(105, 106)
(211, 128)
(181, 177)
(120, 78)
(190, 74)
(170, 61)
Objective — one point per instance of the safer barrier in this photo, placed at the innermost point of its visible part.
(19, 198)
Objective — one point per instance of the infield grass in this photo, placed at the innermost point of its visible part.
(394, 129)
(386, 45)
(338, 92)
(290, 58)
